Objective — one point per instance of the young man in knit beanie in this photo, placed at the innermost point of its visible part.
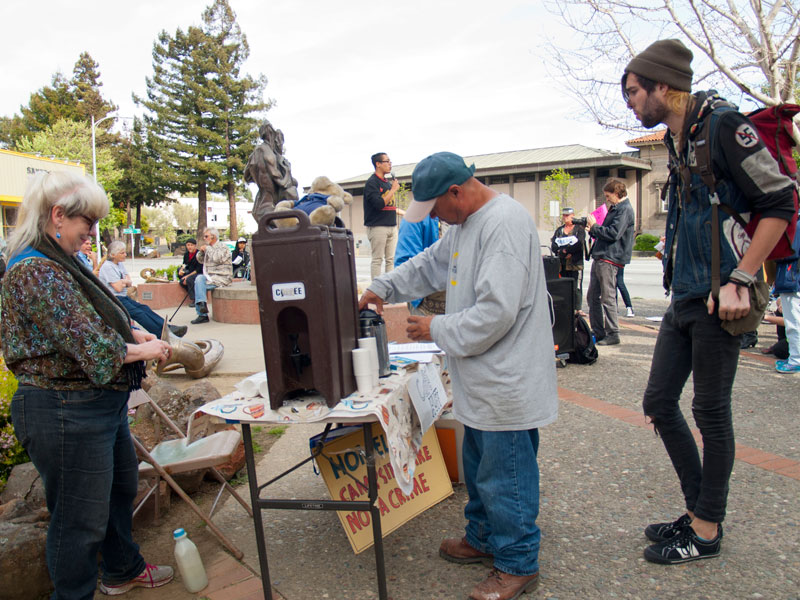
(657, 87)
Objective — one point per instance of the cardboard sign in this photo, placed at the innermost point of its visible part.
(431, 483)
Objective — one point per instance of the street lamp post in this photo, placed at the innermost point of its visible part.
(94, 172)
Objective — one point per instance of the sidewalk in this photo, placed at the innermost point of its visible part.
(604, 476)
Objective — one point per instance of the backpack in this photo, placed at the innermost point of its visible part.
(585, 352)
(774, 127)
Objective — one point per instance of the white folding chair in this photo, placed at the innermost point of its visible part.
(179, 456)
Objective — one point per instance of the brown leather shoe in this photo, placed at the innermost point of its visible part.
(459, 551)
(503, 586)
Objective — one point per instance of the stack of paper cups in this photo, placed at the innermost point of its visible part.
(362, 368)
(370, 344)
(252, 386)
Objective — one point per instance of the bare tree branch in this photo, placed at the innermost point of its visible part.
(749, 47)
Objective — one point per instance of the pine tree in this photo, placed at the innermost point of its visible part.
(200, 106)
(234, 97)
(49, 105)
(85, 86)
(176, 115)
(76, 99)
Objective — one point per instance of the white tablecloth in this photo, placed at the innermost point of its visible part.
(389, 404)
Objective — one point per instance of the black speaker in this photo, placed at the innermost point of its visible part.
(552, 267)
(562, 291)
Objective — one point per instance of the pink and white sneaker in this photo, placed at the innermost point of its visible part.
(153, 576)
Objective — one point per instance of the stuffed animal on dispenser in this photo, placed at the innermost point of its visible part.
(322, 204)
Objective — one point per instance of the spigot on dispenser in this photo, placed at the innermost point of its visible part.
(299, 359)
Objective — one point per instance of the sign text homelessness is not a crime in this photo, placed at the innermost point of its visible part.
(431, 483)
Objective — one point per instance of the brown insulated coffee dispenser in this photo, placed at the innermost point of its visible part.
(306, 284)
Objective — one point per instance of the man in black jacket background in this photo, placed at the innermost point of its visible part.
(612, 250)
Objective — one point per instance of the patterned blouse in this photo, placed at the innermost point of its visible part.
(51, 335)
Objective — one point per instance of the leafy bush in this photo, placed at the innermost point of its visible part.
(11, 451)
(646, 242)
(182, 238)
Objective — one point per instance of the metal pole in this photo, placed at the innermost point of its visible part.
(94, 172)
(374, 511)
(261, 544)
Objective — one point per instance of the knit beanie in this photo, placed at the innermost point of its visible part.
(665, 61)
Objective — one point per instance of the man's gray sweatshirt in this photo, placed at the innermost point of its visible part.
(496, 330)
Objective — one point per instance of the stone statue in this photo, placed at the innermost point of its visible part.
(270, 171)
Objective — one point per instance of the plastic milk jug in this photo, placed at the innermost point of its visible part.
(189, 564)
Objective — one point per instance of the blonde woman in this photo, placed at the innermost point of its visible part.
(70, 345)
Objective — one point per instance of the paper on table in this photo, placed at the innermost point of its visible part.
(420, 357)
(427, 394)
(412, 348)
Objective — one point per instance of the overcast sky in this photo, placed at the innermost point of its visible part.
(349, 78)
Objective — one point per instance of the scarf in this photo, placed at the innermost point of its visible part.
(104, 302)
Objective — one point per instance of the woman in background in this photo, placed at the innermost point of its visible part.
(115, 276)
(569, 244)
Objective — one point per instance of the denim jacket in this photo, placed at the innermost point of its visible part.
(748, 180)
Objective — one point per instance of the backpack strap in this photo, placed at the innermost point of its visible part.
(702, 151)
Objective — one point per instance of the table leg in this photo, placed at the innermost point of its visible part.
(257, 522)
(375, 513)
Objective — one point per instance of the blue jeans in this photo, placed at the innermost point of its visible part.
(502, 478)
(690, 341)
(791, 316)
(81, 445)
(201, 287)
(144, 315)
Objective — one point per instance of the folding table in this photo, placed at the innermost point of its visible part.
(386, 405)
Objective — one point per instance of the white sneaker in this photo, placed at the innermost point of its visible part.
(153, 576)
(630, 312)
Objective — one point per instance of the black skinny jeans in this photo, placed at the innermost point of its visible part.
(691, 341)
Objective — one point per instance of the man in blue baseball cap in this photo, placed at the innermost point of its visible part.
(497, 335)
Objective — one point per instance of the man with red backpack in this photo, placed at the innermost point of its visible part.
(741, 177)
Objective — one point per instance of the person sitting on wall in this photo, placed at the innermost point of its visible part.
(116, 277)
(190, 269)
(240, 259)
(217, 272)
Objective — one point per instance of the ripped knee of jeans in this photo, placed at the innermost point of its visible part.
(654, 421)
